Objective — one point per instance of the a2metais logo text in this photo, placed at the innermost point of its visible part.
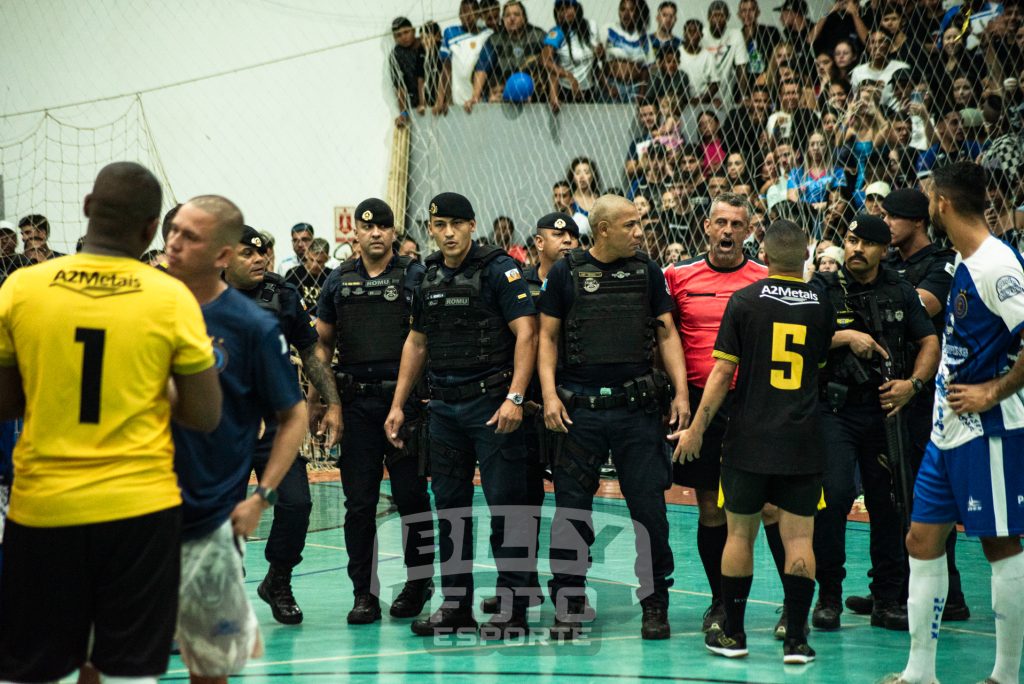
(597, 566)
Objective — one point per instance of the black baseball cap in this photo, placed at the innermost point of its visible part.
(452, 205)
(798, 6)
(375, 211)
(558, 220)
(907, 203)
(252, 238)
(870, 228)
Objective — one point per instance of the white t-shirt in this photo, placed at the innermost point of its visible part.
(728, 51)
(625, 45)
(700, 69)
(580, 60)
(865, 72)
(463, 49)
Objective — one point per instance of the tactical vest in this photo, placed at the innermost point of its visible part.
(610, 319)
(268, 296)
(915, 272)
(855, 312)
(533, 281)
(372, 314)
(462, 330)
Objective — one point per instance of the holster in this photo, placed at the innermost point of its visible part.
(835, 395)
(346, 387)
(646, 392)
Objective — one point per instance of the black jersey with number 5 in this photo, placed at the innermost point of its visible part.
(778, 330)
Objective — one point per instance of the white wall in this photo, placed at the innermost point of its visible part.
(287, 141)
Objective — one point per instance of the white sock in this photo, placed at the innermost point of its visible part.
(1008, 605)
(929, 582)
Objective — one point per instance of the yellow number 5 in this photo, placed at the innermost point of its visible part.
(782, 334)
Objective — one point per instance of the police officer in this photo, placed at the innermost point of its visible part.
(247, 273)
(376, 287)
(858, 395)
(557, 234)
(603, 312)
(929, 269)
(473, 319)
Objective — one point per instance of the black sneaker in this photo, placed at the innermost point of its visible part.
(655, 622)
(860, 605)
(499, 628)
(276, 590)
(826, 614)
(445, 622)
(413, 597)
(956, 612)
(714, 617)
(734, 646)
(881, 611)
(796, 652)
(365, 610)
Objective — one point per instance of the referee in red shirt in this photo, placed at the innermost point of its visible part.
(701, 287)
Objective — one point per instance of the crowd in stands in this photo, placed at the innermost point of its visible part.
(816, 121)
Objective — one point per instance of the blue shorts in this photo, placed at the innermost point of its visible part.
(980, 483)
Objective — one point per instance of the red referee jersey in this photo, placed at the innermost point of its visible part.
(701, 292)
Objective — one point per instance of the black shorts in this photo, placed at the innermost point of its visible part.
(705, 472)
(59, 583)
(746, 493)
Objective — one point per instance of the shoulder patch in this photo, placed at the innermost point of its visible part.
(513, 275)
(552, 33)
(950, 269)
(1008, 286)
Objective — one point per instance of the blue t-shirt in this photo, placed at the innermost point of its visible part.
(812, 190)
(256, 378)
(934, 156)
(329, 315)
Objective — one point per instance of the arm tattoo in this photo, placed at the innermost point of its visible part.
(319, 376)
(706, 415)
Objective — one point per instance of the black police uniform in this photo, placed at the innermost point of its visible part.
(465, 313)
(532, 432)
(853, 427)
(614, 398)
(294, 504)
(371, 321)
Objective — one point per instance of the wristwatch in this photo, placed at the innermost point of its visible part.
(267, 494)
(515, 398)
(917, 383)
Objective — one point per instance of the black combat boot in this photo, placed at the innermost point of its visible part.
(276, 590)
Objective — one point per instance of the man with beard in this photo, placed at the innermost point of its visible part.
(970, 470)
(867, 380)
(247, 272)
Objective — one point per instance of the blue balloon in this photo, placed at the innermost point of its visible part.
(518, 87)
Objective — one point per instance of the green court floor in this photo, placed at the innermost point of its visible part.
(325, 649)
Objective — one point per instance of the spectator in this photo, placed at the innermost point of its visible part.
(667, 79)
(825, 74)
(627, 51)
(796, 31)
(953, 61)
(767, 175)
(666, 22)
(745, 127)
(791, 121)
(647, 119)
(489, 14)
(697, 63)
(673, 253)
(922, 26)
(408, 75)
(891, 21)
(35, 235)
(268, 244)
(759, 39)
(655, 173)
(781, 56)
(409, 247)
(816, 181)
(430, 41)
(586, 186)
(1003, 218)
(503, 234)
(309, 276)
(977, 12)
(461, 46)
(561, 196)
(569, 53)
(712, 150)
(843, 22)
(829, 124)
(302, 236)
(838, 95)
(845, 55)
(514, 49)
(717, 185)
(880, 66)
(729, 53)
(950, 145)
(736, 168)
(874, 193)
(1006, 153)
(863, 125)
(831, 259)
(10, 260)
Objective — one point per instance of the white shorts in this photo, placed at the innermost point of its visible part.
(217, 628)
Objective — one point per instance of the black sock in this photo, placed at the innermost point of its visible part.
(771, 532)
(735, 591)
(799, 592)
(710, 546)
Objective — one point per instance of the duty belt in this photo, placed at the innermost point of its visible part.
(378, 388)
(598, 402)
(861, 395)
(492, 385)
(645, 392)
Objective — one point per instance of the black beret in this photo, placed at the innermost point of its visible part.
(559, 221)
(906, 203)
(870, 228)
(452, 205)
(252, 238)
(375, 211)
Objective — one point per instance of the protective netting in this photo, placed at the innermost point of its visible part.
(815, 122)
